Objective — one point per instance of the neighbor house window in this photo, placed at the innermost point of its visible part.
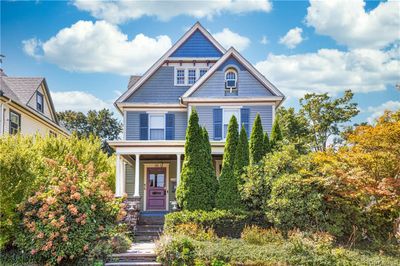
(191, 76)
(39, 102)
(156, 126)
(228, 113)
(15, 122)
(180, 77)
(202, 72)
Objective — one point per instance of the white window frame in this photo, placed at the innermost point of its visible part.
(186, 74)
(184, 77)
(228, 71)
(149, 125)
(224, 109)
(196, 75)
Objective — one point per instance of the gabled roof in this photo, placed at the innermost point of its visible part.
(159, 63)
(22, 89)
(233, 53)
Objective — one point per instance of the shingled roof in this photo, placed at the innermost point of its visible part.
(20, 88)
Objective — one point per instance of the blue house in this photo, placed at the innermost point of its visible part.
(197, 72)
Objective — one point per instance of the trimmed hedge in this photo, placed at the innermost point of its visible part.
(224, 223)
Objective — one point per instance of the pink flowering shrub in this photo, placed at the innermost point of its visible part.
(68, 217)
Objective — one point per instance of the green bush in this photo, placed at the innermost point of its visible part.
(22, 170)
(260, 236)
(256, 145)
(194, 231)
(223, 222)
(197, 188)
(175, 251)
(69, 217)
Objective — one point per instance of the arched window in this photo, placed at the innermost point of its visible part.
(230, 82)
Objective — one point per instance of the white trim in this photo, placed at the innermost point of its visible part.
(156, 65)
(243, 61)
(223, 119)
(273, 113)
(150, 165)
(124, 133)
(227, 104)
(155, 110)
(176, 77)
(232, 100)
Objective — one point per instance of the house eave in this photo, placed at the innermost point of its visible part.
(275, 99)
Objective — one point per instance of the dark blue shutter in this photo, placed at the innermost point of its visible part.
(170, 126)
(245, 118)
(217, 118)
(144, 126)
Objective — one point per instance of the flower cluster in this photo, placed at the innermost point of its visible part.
(73, 208)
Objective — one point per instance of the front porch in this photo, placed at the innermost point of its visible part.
(149, 172)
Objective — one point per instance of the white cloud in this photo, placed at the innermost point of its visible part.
(228, 38)
(264, 40)
(348, 23)
(31, 46)
(99, 47)
(292, 38)
(332, 71)
(377, 111)
(78, 101)
(122, 11)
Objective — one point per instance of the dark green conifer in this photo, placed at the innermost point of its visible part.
(256, 150)
(242, 154)
(276, 134)
(267, 145)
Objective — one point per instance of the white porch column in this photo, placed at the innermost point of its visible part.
(120, 177)
(178, 168)
(137, 168)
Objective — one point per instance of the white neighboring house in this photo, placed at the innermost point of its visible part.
(26, 107)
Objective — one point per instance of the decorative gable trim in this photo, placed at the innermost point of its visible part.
(159, 63)
(245, 63)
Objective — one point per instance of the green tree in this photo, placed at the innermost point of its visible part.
(195, 189)
(295, 128)
(210, 170)
(256, 141)
(325, 114)
(101, 124)
(267, 144)
(242, 154)
(228, 197)
(276, 134)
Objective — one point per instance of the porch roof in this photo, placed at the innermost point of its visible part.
(158, 146)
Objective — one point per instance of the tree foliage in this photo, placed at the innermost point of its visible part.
(276, 135)
(101, 124)
(325, 114)
(267, 144)
(242, 154)
(228, 197)
(256, 145)
(195, 191)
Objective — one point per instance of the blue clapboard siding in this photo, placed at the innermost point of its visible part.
(231, 61)
(248, 86)
(206, 117)
(133, 125)
(197, 45)
(159, 88)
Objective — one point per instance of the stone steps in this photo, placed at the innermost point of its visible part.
(140, 254)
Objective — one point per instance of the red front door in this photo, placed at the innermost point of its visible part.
(156, 189)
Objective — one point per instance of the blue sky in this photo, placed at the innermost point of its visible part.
(86, 50)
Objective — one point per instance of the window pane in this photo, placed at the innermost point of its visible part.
(160, 180)
(180, 76)
(14, 118)
(230, 75)
(192, 76)
(152, 180)
(202, 72)
(228, 114)
(156, 134)
(40, 99)
(156, 121)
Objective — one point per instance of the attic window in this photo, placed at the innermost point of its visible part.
(231, 82)
(39, 102)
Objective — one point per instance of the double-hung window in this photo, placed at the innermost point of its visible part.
(157, 126)
(228, 113)
(180, 76)
(39, 102)
(191, 76)
(15, 122)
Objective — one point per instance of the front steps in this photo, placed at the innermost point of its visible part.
(148, 230)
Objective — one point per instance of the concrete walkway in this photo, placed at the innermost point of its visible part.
(139, 254)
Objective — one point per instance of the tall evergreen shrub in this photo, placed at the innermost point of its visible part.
(228, 197)
(276, 134)
(242, 154)
(209, 166)
(256, 141)
(193, 192)
(267, 144)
